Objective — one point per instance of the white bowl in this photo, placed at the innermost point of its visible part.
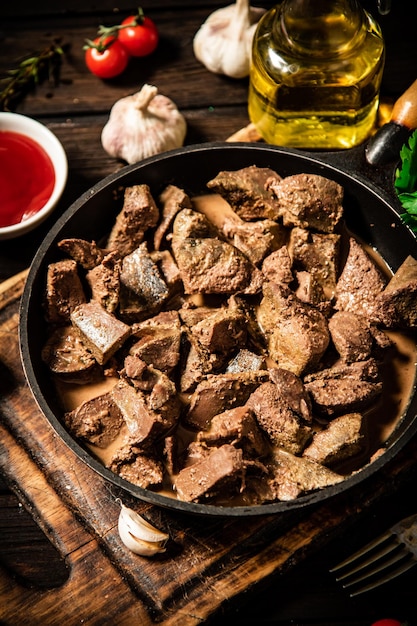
(33, 129)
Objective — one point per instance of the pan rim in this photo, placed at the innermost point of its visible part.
(154, 497)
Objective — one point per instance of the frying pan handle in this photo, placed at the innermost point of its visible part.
(384, 147)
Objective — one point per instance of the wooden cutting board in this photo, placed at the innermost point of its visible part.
(208, 561)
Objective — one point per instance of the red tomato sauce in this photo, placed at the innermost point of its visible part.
(27, 178)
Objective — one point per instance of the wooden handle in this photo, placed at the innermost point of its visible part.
(404, 111)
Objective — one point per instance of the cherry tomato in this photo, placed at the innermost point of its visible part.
(108, 59)
(141, 38)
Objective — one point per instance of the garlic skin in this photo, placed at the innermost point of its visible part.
(223, 43)
(138, 535)
(142, 125)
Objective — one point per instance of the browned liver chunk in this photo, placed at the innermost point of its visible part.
(344, 389)
(145, 422)
(280, 418)
(293, 476)
(359, 283)
(86, 253)
(97, 421)
(141, 275)
(209, 265)
(246, 190)
(351, 336)
(101, 332)
(238, 427)
(218, 393)
(318, 253)
(309, 201)
(67, 357)
(104, 281)
(341, 439)
(173, 200)
(221, 471)
(256, 239)
(138, 214)
(396, 306)
(137, 466)
(64, 291)
(297, 333)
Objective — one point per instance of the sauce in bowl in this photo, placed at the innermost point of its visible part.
(27, 178)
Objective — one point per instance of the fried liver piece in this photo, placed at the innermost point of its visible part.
(283, 416)
(209, 265)
(222, 331)
(343, 438)
(139, 213)
(255, 239)
(309, 201)
(147, 417)
(97, 421)
(247, 191)
(158, 341)
(102, 333)
(218, 393)
(359, 283)
(293, 476)
(316, 253)
(297, 333)
(277, 267)
(86, 253)
(141, 276)
(345, 388)
(238, 427)
(396, 305)
(173, 200)
(221, 471)
(104, 281)
(64, 291)
(137, 466)
(67, 356)
(351, 336)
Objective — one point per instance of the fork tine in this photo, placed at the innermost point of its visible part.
(374, 558)
(383, 579)
(360, 553)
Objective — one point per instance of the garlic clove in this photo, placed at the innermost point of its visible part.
(142, 125)
(138, 535)
(223, 43)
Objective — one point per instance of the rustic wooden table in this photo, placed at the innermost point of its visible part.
(299, 590)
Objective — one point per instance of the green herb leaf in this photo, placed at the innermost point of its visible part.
(406, 182)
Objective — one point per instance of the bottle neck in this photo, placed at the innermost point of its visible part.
(320, 27)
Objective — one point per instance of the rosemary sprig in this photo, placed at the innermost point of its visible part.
(30, 72)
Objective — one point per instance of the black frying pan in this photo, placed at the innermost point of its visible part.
(372, 213)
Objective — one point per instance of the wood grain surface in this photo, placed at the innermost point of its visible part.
(269, 570)
(206, 564)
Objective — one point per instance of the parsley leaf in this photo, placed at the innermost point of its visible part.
(406, 182)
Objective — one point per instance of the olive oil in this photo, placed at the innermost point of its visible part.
(316, 74)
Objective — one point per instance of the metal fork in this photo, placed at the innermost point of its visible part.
(381, 560)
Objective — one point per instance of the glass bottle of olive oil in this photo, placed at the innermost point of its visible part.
(316, 74)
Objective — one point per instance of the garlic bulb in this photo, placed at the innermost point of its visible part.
(142, 125)
(224, 41)
(138, 535)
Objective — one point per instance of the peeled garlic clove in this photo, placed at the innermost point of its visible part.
(223, 43)
(142, 125)
(139, 535)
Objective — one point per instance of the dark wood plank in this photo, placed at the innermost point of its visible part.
(214, 562)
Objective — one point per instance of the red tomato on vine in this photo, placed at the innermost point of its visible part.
(139, 35)
(106, 57)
